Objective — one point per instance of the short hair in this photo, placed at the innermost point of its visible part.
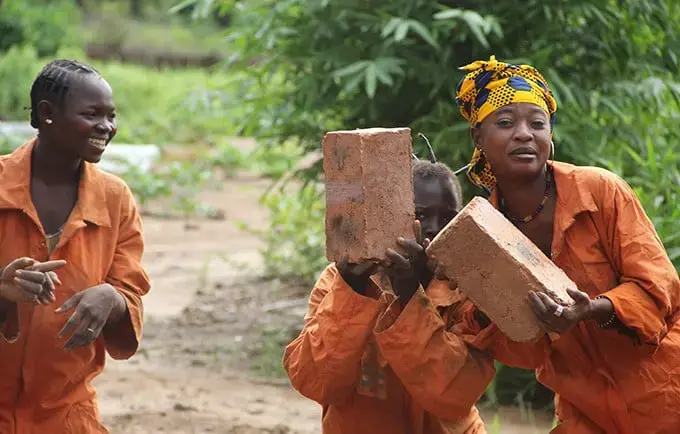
(423, 169)
(54, 82)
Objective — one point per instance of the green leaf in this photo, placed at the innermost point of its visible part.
(448, 14)
(421, 30)
(390, 27)
(477, 25)
(371, 80)
(402, 31)
(352, 69)
(181, 6)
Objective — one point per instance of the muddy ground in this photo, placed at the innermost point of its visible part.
(213, 335)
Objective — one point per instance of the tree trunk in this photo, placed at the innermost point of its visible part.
(136, 8)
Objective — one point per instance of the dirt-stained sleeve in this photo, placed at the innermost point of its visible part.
(434, 364)
(9, 321)
(525, 355)
(127, 275)
(324, 361)
(649, 289)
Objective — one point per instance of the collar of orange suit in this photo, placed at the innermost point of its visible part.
(15, 193)
(490, 85)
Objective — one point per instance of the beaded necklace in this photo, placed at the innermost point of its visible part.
(546, 196)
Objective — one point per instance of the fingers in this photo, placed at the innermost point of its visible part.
(365, 268)
(88, 330)
(70, 303)
(29, 288)
(46, 297)
(48, 266)
(548, 302)
(411, 247)
(418, 231)
(70, 325)
(52, 279)
(32, 276)
(537, 305)
(397, 260)
(36, 285)
(579, 297)
(342, 264)
(17, 264)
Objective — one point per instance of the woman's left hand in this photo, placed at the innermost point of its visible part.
(94, 308)
(556, 318)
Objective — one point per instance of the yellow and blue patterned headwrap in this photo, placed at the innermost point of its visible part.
(490, 85)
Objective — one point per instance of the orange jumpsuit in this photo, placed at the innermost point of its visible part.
(377, 369)
(605, 381)
(44, 389)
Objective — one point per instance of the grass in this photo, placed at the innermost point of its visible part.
(173, 36)
(171, 106)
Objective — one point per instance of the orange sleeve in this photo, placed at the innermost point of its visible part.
(129, 278)
(9, 321)
(324, 362)
(433, 363)
(524, 355)
(649, 289)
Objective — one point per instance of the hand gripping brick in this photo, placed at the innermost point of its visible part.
(496, 265)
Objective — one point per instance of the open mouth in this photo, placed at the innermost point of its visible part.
(524, 152)
(99, 143)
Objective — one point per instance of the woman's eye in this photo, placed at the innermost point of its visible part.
(504, 123)
(538, 124)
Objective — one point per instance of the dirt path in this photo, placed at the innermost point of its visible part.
(205, 321)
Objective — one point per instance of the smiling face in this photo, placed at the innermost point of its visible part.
(516, 141)
(85, 123)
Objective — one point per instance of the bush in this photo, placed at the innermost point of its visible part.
(356, 64)
(191, 106)
(18, 67)
(294, 241)
(46, 26)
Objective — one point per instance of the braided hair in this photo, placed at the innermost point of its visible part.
(433, 169)
(54, 82)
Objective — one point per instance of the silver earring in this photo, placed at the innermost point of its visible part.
(48, 121)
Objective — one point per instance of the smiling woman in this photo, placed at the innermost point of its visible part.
(78, 237)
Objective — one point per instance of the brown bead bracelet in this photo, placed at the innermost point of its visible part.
(611, 319)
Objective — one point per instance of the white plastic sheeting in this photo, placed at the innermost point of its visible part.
(142, 156)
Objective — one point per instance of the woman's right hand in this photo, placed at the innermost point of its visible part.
(27, 280)
(357, 275)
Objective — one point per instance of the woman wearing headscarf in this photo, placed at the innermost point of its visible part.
(613, 357)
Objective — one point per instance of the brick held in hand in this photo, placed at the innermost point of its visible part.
(496, 265)
(369, 191)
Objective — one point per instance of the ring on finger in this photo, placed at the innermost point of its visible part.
(558, 311)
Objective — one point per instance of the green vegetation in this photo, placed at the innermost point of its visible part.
(353, 64)
(192, 106)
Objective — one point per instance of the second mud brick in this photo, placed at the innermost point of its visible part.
(369, 192)
(496, 265)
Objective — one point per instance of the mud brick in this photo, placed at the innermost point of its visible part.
(369, 191)
(496, 265)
